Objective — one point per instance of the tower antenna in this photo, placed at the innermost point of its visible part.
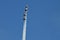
(25, 22)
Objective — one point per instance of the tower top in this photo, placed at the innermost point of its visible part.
(25, 12)
(26, 7)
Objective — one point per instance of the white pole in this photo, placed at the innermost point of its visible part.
(24, 26)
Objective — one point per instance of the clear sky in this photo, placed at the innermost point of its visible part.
(43, 19)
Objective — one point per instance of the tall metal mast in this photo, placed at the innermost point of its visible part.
(25, 21)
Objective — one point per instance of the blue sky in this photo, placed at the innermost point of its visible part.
(43, 19)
